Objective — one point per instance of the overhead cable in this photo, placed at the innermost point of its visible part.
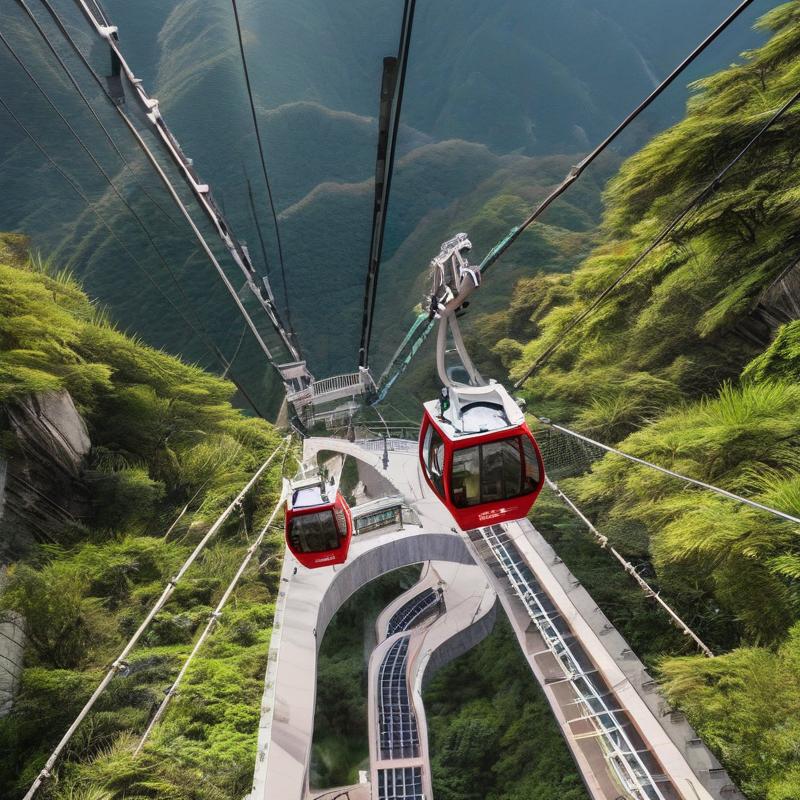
(579, 168)
(262, 158)
(120, 662)
(200, 190)
(200, 332)
(702, 484)
(420, 331)
(696, 201)
(392, 89)
(212, 621)
(181, 206)
(602, 540)
(95, 116)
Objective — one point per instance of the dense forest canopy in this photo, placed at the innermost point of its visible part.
(692, 362)
(163, 435)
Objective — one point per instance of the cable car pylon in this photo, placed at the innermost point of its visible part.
(476, 451)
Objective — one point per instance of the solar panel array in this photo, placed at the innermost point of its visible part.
(404, 783)
(399, 737)
(414, 611)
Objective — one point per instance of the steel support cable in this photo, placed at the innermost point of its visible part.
(120, 662)
(201, 333)
(572, 176)
(176, 198)
(212, 621)
(631, 570)
(418, 332)
(701, 484)
(201, 191)
(579, 168)
(204, 335)
(170, 188)
(259, 233)
(91, 110)
(692, 205)
(382, 202)
(262, 158)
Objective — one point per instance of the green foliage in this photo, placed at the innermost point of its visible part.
(746, 705)
(672, 367)
(676, 315)
(167, 445)
(492, 734)
(63, 623)
(745, 440)
(124, 496)
(781, 359)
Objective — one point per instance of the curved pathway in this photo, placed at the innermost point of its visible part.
(537, 593)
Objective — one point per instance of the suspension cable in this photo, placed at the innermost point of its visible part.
(579, 168)
(201, 333)
(693, 204)
(263, 160)
(602, 540)
(212, 621)
(419, 331)
(395, 76)
(120, 661)
(176, 198)
(702, 484)
(201, 191)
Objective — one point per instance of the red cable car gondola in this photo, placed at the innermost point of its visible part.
(479, 456)
(318, 523)
(475, 448)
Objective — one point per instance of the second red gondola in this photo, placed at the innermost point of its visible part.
(318, 523)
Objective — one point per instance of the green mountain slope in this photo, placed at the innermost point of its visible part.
(692, 362)
(163, 436)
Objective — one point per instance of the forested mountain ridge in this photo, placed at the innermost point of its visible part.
(517, 78)
(161, 430)
(152, 434)
(693, 363)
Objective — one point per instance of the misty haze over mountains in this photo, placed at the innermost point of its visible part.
(491, 88)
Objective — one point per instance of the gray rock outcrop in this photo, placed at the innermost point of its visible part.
(41, 489)
(12, 645)
(778, 304)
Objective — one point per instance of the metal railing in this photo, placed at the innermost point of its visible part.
(337, 383)
(624, 758)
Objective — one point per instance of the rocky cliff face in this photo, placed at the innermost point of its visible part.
(777, 305)
(12, 645)
(41, 491)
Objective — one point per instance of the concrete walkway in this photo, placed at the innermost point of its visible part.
(682, 766)
(463, 615)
